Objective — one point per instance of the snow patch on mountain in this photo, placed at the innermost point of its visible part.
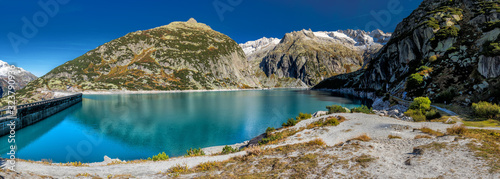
(253, 46)
(355, 38)
(20, 77)
(5, 68)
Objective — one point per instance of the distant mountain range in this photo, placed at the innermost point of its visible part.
(190, 55)
(20, 78)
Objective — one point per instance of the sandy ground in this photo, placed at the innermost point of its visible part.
(391, 154)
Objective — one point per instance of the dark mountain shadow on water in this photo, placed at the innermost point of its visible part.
(25, 136)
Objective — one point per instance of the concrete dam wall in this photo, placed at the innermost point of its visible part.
(29, 114)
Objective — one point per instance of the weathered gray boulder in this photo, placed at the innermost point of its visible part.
(489, 67)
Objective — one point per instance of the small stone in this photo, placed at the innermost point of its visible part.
(417, 151)
(408, 162)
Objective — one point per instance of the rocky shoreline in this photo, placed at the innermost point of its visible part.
(380, 106)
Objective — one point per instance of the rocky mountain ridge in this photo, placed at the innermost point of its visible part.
(313, 56)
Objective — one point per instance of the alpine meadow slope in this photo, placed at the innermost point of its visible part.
(179, 56)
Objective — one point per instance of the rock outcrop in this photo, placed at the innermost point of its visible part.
(441, 50)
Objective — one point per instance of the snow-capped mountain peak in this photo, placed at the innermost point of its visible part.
(253, 46)
(21, 77)
(5, 68)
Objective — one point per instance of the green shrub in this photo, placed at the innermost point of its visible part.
(362, 109)
(415, 81)
(336, 109)
(488, 26)
(330, 121)
(269, 130)
(432, 22)
(421, 103)
(269, 139)
(451, 49)
(491, 48)
(446, 32)
(228, 149)
(159, 157)
(290, 122)
(420, 110)
(422, 68)
(416, 115)
(432, 114)
(303, 116)
(486, 110)
(195, 152)
(433, 58)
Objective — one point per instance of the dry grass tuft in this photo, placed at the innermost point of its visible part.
(75, 164)
(456, 130)
(363, 137)
(486, 147)
(394, 137)
(178, 169)
(318, 141)
(209, 166)
(330, 121)
(431, 132)
(254, 150)
(121, 176)
(364, 160)
(423, 137)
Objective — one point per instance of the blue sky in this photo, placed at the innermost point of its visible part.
(39, 38)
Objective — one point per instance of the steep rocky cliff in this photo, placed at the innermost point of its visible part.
(446, 49)
(255, 51)
(312, 56)
(178, 56)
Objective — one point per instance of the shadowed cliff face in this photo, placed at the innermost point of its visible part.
(451, 45)
(313, 56)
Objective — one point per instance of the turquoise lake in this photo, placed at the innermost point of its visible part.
(138, 126)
